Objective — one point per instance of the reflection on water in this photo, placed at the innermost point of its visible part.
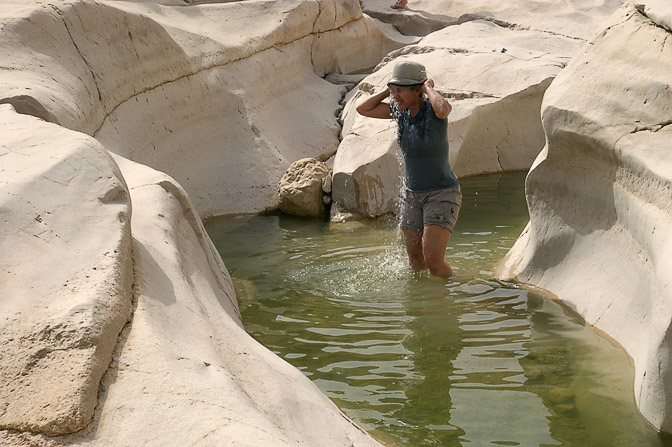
(423, 361)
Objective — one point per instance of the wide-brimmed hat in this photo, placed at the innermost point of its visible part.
(408, 73)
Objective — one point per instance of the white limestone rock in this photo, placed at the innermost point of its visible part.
(193, 372)
(366, 172)
(270, 108)
(658, 11)
(410, 21)
(495, 79)
(65, 273)
(222, 100)
(570, 19)
(184, 371)
(231, 138)
(600, 232)
(300, 188)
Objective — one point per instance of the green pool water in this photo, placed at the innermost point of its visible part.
(423, 361)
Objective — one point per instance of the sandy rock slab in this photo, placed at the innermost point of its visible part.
(492, 61)
(213, 93)
(65, 273)
(570, 19)
(599, 194)
(185, 372)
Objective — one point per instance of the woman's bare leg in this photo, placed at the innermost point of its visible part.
(413, 240)
(434, 242)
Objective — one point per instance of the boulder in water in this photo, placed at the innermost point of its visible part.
(300, 188)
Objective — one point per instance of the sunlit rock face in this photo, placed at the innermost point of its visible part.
(65, 272)
(493, 67)
(185, 370)
(550, 16)
(600, 234)
(300, 188)
(222, 96)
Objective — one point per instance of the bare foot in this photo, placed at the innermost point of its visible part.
(400, 4)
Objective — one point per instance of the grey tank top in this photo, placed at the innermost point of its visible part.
(423, 140)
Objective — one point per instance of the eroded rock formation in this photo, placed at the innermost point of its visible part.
(494, 68)
(208, 93)
(209, 89)
(66, 273)
(223, 97)
(600, 195)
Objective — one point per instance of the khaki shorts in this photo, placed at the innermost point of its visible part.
(441, 207)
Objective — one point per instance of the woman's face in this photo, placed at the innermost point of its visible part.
(405, 96)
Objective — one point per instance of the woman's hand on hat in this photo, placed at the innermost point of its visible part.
(427, 83)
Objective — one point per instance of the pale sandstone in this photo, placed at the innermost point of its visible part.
(495, 79)
(658, 11)
(65, 273)
(242, 143)
(211, 84)
(194, 373)
(600, 198)
(492, 61)
(79, 66)
(559, 17)
(185, 371)
(366, 172)
(299, 190)
(231, 152)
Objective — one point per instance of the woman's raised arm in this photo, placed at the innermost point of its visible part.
(375, 106)
(440, 105)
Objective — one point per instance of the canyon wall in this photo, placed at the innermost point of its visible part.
(600, 195)
(118, 320)
(123, 123)
(492, 62)
(222, 101)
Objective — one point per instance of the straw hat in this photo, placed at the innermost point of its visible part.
(408, 73)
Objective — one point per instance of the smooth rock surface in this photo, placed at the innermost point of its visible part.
(185, 371)
(367, 169)
(65, 273)
(208, 89)
(173, 86)
(600, 195)
(570, 19)
(224, 96)
(195, 371)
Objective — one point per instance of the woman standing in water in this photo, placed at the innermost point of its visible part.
(432, 198)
